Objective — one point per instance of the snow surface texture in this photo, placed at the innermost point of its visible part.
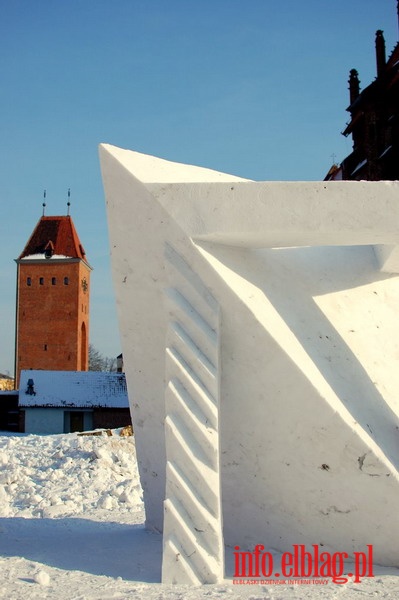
(59, 476)
(306, 388)
(61, 540)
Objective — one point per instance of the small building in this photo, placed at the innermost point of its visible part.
(6, 382)
(9, 412)
(67, 401)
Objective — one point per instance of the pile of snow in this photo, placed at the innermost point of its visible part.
(72, 528)
(65, 475)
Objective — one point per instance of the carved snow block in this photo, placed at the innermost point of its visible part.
(193, 539)
(261, 344)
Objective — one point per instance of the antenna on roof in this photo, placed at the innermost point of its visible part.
(44, 198)
(68, 203)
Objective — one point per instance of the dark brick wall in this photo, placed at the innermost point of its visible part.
(110, 418)
(9, 415)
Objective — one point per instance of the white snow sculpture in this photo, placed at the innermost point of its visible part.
(261, 341)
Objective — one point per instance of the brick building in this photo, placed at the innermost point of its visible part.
(374, 122)
(53, 291)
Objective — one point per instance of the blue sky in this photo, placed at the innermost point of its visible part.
(257, 88)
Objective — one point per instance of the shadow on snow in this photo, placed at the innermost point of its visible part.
(100, 548)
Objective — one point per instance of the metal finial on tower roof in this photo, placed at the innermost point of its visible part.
(44, 204)
(68, 203)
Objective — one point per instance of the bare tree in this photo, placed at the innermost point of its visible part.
(99, 362)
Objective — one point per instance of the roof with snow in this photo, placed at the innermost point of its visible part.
(54, 237)
(73, 389)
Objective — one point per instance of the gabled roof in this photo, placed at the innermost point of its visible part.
(334, 174)
(394, 58)
(54, 236)
(73, 389)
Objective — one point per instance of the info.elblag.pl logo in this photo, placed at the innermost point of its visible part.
(309, 566)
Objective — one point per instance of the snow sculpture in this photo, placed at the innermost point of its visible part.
(260, 340)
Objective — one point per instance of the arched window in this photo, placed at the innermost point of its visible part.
(83, 348)
(66, 280)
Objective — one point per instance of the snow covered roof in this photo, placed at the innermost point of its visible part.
(80, 389)
(54, 237)
(42, 256)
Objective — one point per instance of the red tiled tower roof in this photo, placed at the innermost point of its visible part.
(54, 236)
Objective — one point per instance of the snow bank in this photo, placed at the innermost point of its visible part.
(65, 475)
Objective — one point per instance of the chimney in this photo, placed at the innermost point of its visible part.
(380, 52)
(354, 85)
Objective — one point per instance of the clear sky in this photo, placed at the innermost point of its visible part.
(257, 88)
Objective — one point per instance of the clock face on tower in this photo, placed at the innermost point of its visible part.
(84, 285)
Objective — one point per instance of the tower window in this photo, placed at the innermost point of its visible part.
(66, 280)
(45, 347)
(41, 280)
(29, 281)
(53, 281)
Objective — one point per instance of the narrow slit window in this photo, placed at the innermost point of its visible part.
(29, 281)
(53, 281)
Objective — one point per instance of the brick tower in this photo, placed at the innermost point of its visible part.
(53, 290)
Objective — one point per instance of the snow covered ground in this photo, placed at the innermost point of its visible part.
(71, 528)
